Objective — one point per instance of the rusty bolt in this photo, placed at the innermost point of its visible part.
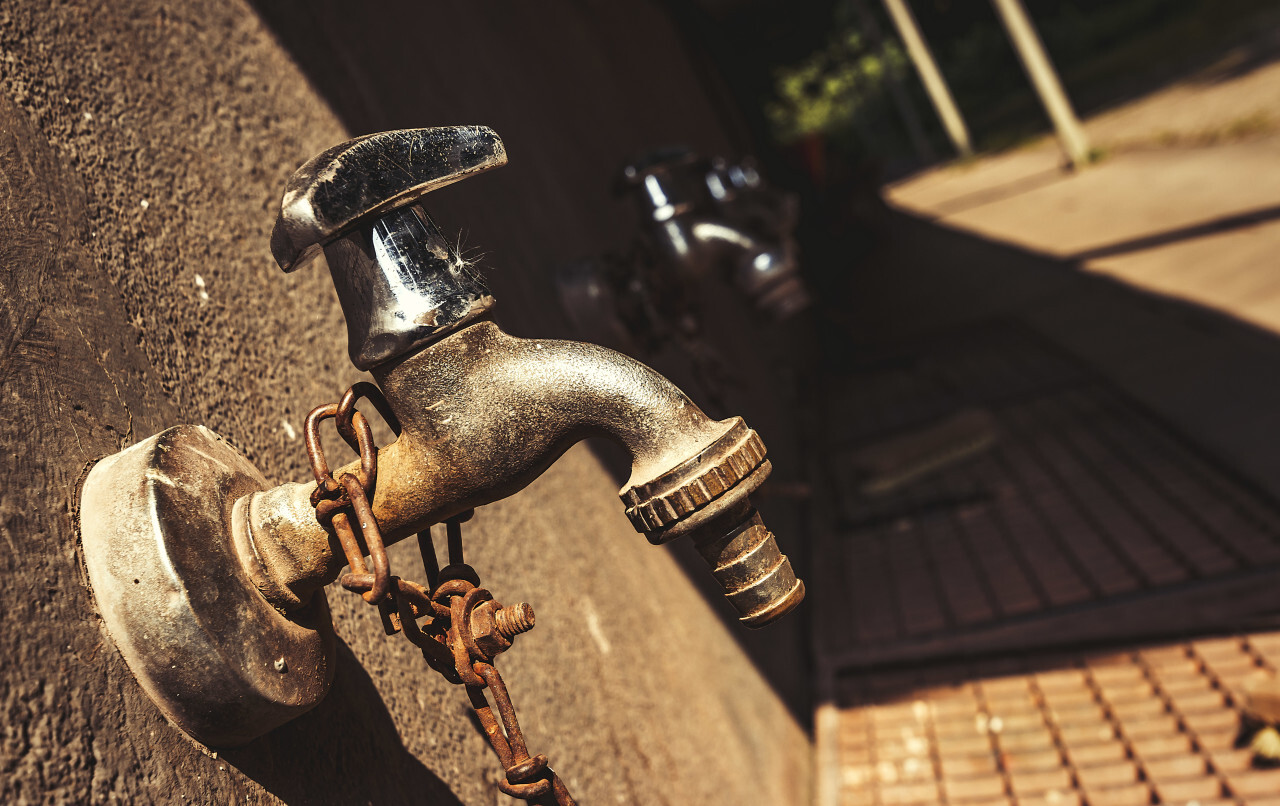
(512, 621)
(493, 626)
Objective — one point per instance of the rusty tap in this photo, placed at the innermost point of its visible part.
(481, 413)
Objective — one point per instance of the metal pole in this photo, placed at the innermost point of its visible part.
(915, 131)
(1070, 134)
(928, 70)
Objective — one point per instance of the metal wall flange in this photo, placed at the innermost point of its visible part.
(180, 602)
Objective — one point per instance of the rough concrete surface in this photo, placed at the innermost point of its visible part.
(142, 151)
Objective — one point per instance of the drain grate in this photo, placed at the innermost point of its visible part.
(1084, 519)
(1155, 725)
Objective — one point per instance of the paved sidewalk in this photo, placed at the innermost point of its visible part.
(1133, 727)
(1061, 513)
(1198, 219)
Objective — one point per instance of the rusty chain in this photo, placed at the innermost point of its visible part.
(462, 628)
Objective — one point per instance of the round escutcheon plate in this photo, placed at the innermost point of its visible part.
(221, 662)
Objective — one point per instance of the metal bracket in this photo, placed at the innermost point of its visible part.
(180, 602)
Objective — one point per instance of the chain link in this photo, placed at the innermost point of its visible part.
(447, 606)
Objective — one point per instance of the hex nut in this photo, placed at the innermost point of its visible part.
(484, 628)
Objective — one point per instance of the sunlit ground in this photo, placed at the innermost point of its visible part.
(1156, 724)
(1184, 201)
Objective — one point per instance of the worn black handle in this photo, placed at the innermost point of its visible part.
(369, 176)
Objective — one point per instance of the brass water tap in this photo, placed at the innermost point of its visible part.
(211, 581)
(484, 413)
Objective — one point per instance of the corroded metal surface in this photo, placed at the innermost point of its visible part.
(456, 623)
(756, 576)
(217, 114)
(695, 483)
(706, 496)
(483, 414)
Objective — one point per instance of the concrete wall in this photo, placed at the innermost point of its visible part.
(142, 145)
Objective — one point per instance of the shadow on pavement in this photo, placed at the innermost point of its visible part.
(1171, 420)
(1212, 227)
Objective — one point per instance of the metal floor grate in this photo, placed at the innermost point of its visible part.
(1086, 520)
(1150, 726)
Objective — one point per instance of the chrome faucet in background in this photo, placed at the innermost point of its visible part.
(710, 216)
(211, 581)
(706, 224)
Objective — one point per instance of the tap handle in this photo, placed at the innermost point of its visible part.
(370, 176)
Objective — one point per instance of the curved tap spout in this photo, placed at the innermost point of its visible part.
(485, 413)
(497, 411)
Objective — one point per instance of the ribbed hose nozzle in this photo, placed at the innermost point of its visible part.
(756, 576)
(706, 497)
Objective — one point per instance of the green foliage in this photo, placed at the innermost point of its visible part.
(1105, 51)
(827, 91)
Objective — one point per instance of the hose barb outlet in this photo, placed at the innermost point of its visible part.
(707, 498)
(756, 576)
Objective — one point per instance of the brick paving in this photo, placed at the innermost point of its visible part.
(1086, 504)
(1150, 725)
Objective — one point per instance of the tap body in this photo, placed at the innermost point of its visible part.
(483, 414)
